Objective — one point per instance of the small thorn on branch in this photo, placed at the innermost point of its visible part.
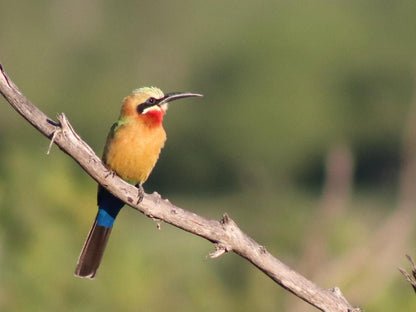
(262, 249)
(156, 198)
(337, 292)
(58, 130)
(5, 76)
(55, 133)
(229, 223)
(69, 131)
(219, 251)
(225, 219)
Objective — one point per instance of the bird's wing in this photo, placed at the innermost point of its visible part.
(113, 130)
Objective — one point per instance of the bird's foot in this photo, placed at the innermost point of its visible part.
(140, 194)
(110, 173)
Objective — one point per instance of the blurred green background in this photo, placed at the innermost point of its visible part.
(306, 136)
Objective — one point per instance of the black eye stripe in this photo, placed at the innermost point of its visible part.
(151, 101)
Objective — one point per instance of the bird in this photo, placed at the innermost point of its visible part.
(131, 151)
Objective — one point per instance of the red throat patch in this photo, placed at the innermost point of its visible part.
(154, 117)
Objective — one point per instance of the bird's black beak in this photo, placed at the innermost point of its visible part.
(169, 97)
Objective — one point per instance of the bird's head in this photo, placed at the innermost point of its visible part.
(150, 104)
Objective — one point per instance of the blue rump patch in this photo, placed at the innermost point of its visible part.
(105, 219)
(109, 207)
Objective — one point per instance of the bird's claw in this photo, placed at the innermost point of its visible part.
(110, 173)
(140, 194)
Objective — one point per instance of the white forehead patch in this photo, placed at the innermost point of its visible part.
(151, 92)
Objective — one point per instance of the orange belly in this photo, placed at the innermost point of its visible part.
(134, 151)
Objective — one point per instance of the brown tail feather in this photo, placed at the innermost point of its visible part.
(92, 252)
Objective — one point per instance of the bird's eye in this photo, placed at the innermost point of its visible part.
(151, 101)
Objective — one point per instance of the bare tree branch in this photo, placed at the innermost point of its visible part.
(225, 234)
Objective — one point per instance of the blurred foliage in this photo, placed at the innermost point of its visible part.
(283, 83)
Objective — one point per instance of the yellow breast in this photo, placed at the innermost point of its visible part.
(134, 150)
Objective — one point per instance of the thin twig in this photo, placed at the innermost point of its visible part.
(410, 278)
(225, 234)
